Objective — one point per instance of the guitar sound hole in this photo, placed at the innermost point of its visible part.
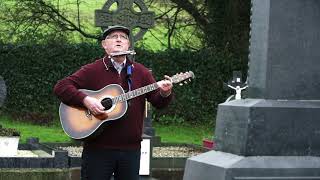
(106, 103)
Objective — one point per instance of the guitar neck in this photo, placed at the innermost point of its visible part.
(135, 93)
(151, 87)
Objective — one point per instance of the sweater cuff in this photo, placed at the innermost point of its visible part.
(80, 98)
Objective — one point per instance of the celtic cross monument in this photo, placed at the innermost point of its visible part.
(126, 15)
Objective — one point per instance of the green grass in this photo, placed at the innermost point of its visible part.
(44, 133)
(183, 133)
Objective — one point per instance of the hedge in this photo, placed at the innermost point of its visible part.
(31, 71)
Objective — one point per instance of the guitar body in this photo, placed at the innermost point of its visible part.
(78, 123)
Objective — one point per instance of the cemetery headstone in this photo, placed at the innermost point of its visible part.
(3, 91)
(274, 133)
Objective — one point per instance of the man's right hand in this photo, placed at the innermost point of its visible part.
(94, 106)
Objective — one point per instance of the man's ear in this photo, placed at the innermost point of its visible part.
(103, 43)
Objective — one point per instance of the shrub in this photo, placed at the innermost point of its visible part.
(31, 72)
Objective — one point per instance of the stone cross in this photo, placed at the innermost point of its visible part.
(125, 15)
(3, 91)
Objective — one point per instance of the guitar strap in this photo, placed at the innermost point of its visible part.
(129, 73)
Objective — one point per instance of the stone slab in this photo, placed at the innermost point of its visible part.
(215, 165)
(208, 165)
(259, 127)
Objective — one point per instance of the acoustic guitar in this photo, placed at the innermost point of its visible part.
(79, 123)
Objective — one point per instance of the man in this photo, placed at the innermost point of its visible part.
(116, 149)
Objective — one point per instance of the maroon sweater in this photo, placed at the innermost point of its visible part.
(124, 133)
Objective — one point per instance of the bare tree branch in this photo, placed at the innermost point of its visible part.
(78, 11)
(192, 9)
(36, 16)
(157, 38)
(171, 30)
(64, 22)
(165, 13)
(30, 15)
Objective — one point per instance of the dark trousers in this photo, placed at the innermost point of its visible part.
(101, 164)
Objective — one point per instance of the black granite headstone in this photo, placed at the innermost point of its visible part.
(279, 117)
(274, 133)
(147, 123)
(3, 91)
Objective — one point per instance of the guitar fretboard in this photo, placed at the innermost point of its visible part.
(135, 93)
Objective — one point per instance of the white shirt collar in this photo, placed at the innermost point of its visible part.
(118, 66)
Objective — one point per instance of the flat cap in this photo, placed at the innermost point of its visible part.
(114, 28)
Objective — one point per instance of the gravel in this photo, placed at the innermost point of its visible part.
(73, 150)
(175, 151)
(164, 151)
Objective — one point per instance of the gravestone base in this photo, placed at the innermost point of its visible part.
(260, 127)
(150, 131)
(216, 165)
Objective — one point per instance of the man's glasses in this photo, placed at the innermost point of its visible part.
(116, 36)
